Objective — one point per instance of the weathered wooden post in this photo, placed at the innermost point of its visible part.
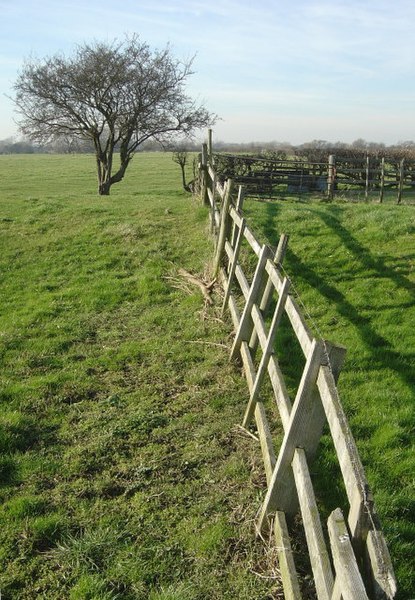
(401, 179)
(209, 146)
(238, 207)
(331, 176)
(367, 178)
(267, 293)
(382, 180)
(205, 175)
(224, 227)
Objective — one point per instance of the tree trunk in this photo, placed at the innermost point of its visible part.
(104, 188)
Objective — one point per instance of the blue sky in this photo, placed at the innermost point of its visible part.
(272, 70)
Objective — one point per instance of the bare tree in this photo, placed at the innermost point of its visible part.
(116, 95)
(180, 156)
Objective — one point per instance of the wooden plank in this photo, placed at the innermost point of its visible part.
(233, 264)
(221, 189)
(319, 556)
(297, 321)
(217, 218)
(348, 578)
(259, 326)
(357, 489)
(223, 229)
(285, 558)
(303, 419)
(252, 241)
(267, 350)
(280, 391)
(265, 438)
(248, 365)
(382, 573)
(269, 287)
(245, 327)
(243, 282)
(234, 312)
(211, 197)
(236, 214)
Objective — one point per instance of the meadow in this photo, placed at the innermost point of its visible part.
(352, 266)
(123, 473)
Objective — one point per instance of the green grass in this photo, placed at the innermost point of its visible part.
(122, 474)
(353, 267)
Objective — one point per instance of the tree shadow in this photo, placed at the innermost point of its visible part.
(382, 351)
(376, 264)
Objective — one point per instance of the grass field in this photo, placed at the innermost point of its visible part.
(122, 474)
(353, 267)
(122, 471)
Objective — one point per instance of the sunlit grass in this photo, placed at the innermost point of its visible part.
(117, 439)
(353, 266)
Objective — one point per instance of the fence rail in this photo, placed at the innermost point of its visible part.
(352, 561)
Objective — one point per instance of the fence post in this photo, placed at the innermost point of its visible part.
(401, 178)
(367, 178)
(382, 179)
(204, 168)
(305, 419)
(209, 146)
(238, 207)
(331, 177)
(223, 228)
(349, 584)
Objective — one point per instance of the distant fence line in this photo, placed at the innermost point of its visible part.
(354, 562)
(369, 178)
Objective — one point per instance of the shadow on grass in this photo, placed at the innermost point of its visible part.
(382, 351)
(378, 265)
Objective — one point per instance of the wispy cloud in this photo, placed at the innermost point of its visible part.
(314, 58)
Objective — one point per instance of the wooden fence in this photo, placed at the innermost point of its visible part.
(368, 178)
(350, 559)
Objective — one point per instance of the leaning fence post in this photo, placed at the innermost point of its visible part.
(223, 228)
(267, 294)
(305, 419)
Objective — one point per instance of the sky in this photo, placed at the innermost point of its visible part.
(273, 70)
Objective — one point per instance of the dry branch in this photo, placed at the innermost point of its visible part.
(205, 288)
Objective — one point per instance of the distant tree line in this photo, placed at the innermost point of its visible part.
(314, 151)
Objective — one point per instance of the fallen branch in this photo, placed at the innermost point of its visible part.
(206, 288)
